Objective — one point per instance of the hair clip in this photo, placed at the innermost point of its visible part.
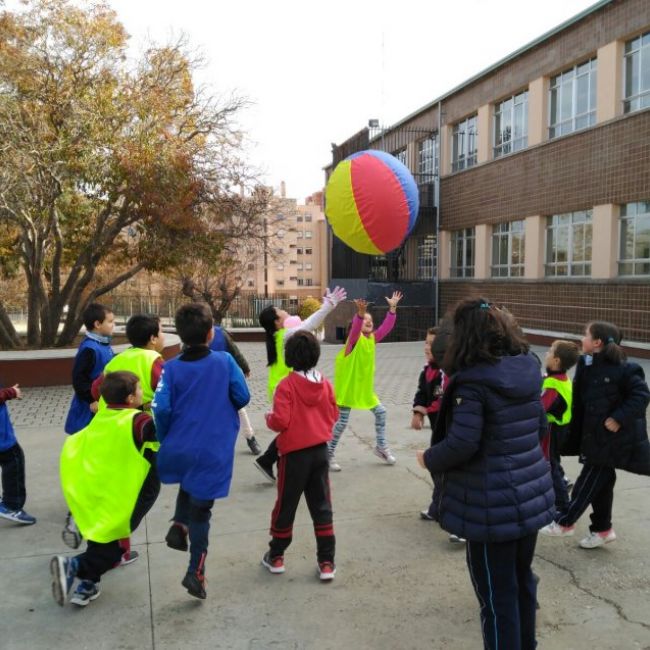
(484, 305)
(610, 340)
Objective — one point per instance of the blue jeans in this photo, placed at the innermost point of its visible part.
(378, 411)
(195, 514)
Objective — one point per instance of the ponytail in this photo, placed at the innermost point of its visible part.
(267, 319)
(611, 338)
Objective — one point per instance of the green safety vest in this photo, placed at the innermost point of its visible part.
(102, 473)
(565, 389)
(354, 375)
(279, 370)
(139, 361)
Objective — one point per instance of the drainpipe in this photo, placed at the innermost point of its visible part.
(436, 194)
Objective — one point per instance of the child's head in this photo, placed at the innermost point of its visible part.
(272, 320)
(605, 338)
(122, 387)
(561, 356)
(482, 332)
(301, 351)
(99, 319)
(145, 331)
(428, 342)
(194, 323)
(368, 324)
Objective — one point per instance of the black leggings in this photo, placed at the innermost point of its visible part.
(12, 461)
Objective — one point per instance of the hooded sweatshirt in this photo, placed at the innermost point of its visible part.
(304, 412)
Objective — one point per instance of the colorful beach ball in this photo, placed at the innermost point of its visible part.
(371, 202)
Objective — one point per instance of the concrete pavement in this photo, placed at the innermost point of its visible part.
(399, 583)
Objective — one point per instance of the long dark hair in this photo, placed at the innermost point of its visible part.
(611, 338)
(481, 333)
(267, 319)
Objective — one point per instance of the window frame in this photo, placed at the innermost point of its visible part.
(464, 236)
(513, 144)
(624, 219)
(467, 158)
(554, 224)
(508, 231)
(639, 98)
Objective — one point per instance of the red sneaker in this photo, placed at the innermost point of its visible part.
(326, 570)
(273, 564)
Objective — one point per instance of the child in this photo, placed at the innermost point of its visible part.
(145, 362)
(274, 322)
(93, 354)
(304, 411)
(427, 402)
(222, 342)
(610, 397)
(354, 377)
(12, 463)
(556, 399)
(103, 468)
(195, 409)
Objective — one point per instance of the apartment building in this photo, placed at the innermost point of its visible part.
(538, 170)
(295, 262)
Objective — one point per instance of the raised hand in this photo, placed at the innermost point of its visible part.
(337, 295)
(362, 306)
(393, 300)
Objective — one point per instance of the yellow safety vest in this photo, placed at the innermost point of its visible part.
(139, 361)
(354, 375)
(279, 370)
(565, 389)
(102, 473)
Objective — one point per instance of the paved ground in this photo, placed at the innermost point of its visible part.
(400, 584)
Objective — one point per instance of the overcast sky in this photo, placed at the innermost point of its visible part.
(317, 71)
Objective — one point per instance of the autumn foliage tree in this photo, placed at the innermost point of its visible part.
(103, 161)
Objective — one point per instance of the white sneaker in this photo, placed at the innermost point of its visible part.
(594, 540)
(385, 454)
(454, 539)
(555, 530)
(334, 466)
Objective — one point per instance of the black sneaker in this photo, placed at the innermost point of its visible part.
(195, 584)
(267, 471)
(176, 537)
(254, 446)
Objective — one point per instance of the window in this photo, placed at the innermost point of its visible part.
(308, 234)
(428, 158)
(250, 283)
(293, 278)
(280, 283)
(401, 156)
(293, 262)
(635, 239)
(568, 244)
(508, 250)
(298, 251)
(299, 219)
(573, 99)
(279, 251)
(280, 267)
(309, 282)
(301, 282)
(464, 144)
(308, 266)
(299, 235)
(251, 267)
(308, 251)
(307, 218)
(511, 124)
(281, 233)
(637, 73)
(426, 258)
(462, 253)
(300, 266)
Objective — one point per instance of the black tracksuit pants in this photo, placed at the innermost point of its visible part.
(12, 463)
(303, 471)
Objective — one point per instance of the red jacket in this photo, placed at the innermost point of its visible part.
(304, 413)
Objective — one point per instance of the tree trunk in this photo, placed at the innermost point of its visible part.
(33, 313)
(8, 336)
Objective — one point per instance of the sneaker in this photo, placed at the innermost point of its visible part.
(63, 571)
(195, 582)
(326, 570)
(17, 516)
(70, 534)
(454, 539)
(254, 446)
(176, 537)
(334, 466)
(86, 591)
(267, 471)
(128, 557)
(424, 514)
(555, 530)
(385, 454)
(594, 540)
(275, 564)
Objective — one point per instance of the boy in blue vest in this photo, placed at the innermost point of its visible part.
(556, 399)
(12, 464)
(93, 354)
(195, 409)
(222, 342)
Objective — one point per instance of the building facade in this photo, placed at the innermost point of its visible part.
(541, 169)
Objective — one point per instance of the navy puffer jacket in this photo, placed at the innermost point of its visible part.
(494, 480)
